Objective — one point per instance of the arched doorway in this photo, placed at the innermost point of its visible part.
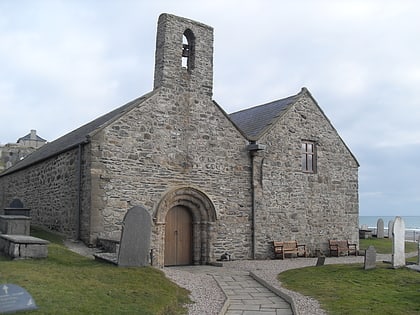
(190, 204)
(178, 237)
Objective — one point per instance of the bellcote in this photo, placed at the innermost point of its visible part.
(184, 55)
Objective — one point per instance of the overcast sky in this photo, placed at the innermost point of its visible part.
(64, 63)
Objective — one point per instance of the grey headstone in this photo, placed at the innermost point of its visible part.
(390, 225)
(364, 227)
(380, 228)
(135, 238)
(16, 203)
(320, 261)
(370, 258)
(14, 298)
(398, 243)
(418, 256)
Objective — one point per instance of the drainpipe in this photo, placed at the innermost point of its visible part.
(79, 187)
(253, 148)
(79, 190)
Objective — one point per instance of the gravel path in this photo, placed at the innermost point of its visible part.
(209, 298)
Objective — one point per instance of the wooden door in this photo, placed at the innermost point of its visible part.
(178, 237)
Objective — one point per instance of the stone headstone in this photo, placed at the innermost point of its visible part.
(398, 243)
(135, 238)
(390, 225)
(364, 227)
(16, 203)
(370, 258)
(380, 228)
(13, 299)
(320, 261)
(418, 253)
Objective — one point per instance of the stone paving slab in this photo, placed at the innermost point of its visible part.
(248, 297)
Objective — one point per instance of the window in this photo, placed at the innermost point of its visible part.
(308, 157)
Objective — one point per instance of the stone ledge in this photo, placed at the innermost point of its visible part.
(107, 257)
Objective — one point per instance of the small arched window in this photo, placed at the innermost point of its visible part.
(188, 49)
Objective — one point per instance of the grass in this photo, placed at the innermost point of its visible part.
(67, 283)
(349, 289)
(384, 245)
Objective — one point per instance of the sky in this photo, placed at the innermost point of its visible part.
(65, 63)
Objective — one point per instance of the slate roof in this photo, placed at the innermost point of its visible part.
(28, 137)
(74, 138)
(256, 120)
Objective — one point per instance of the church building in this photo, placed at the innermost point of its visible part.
(212, 182)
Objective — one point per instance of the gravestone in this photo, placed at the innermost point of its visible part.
(418, 253)
(380, 228)
(370, 258)
(390, 225)
(16, 208)
(398, 243)
(320, 261)
(364, 227)
(135, 238)
(13, 299)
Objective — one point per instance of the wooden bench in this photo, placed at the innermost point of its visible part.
(288, 247)
(338, 247)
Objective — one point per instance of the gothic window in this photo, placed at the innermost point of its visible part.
(308, 157)
(188, 45)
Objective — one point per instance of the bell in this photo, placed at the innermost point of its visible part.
(185, 50)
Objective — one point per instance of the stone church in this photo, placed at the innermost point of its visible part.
(212, 182)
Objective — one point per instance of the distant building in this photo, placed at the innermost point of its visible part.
(11, 153)
(32, 140)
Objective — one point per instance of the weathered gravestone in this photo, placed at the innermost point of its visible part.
(370, 258)
(135, 238)
(380, 228)
(364, 227)
(390, 225)
(398, 243)
(13, 299)
(418, 255)
(320, 261)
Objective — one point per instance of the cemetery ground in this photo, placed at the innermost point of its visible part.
(67, 283)
(349, 289)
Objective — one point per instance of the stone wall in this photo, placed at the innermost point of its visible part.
(294, 205)
(50, 190)
(173, 141)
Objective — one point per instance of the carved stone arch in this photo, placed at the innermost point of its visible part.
(203, 217)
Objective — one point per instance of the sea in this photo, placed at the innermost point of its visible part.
(412, 224)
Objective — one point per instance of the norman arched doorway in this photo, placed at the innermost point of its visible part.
(178, 237)
(179, 210)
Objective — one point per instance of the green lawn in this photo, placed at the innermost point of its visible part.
(67, 283)
(384, 245)
(349, 289)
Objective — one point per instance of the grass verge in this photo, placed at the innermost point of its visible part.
(67, 283)
(349, 289)
(384, 245)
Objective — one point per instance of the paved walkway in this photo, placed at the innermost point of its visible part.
(248, 297)
(245, 295)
